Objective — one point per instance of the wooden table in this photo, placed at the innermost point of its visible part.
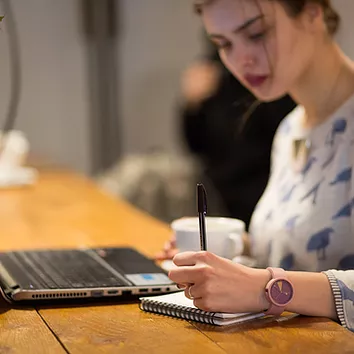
(66, 210)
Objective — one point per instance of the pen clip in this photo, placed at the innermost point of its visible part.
(202, 209)
(201, 199)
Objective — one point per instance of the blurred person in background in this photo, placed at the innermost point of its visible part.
(228, 139)
(226, 129)
(230, 134)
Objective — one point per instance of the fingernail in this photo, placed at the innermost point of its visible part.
(181, 286)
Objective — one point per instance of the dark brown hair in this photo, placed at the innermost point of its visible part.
(295, 8)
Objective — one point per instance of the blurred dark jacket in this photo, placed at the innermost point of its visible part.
(234, 150)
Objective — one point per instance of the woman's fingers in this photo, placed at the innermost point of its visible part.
(163, 255)
(191, 275)
(183, 286)
(182, 275)
(171, 253)
(173, 242)
(185, 259)
(168, 252)
(186, 275)
(194, 258)
(192, 293)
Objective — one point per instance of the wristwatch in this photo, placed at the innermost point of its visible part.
(279, 291)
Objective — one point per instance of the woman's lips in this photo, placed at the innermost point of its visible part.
(256, 80)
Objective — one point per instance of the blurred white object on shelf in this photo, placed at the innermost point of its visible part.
(14, 148)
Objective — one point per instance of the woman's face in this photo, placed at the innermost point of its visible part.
(264, 48)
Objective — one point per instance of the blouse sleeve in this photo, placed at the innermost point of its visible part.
(342, 284)
(342, 281)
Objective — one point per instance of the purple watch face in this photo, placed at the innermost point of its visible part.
(281, 292)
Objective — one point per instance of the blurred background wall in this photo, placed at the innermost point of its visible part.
(54, 104)
(345, 35)
(153, 42)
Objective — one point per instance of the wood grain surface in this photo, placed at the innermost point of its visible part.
(66, 210)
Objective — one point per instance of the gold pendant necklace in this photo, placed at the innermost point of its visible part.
(301, 149)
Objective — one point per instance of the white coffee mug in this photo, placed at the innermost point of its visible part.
(224, 235)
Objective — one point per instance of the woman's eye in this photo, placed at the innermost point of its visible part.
(224, 45)
(257, 36)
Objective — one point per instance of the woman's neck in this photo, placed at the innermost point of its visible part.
(326, 84)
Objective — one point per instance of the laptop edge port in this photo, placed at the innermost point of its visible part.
(97, 293)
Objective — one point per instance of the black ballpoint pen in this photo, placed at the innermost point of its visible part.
(202, 210)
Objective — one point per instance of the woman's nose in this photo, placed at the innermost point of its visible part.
(249, 63)
(243, 59)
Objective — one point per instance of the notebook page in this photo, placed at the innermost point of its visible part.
(181, 300)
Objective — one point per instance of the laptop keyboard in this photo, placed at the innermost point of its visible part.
(60, 269)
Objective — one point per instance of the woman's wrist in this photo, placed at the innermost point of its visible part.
(261, 277)
(312, 293)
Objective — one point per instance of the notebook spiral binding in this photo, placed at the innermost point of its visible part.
(178, 311)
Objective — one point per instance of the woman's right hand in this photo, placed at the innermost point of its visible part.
(169, 250)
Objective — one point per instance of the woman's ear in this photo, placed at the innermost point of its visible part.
(314, 17)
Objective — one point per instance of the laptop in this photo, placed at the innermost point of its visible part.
(80, 273)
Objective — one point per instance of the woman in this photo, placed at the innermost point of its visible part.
(304, 219)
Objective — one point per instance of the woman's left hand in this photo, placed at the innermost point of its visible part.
(218, 285)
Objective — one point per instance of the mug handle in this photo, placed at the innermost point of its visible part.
(235, 245)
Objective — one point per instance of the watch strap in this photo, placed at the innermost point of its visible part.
(276, 273)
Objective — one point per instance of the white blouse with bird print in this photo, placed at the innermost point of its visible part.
(305, 219)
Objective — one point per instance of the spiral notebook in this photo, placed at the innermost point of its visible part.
(177, 305)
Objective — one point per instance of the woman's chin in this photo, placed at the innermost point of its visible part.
(268, 95)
